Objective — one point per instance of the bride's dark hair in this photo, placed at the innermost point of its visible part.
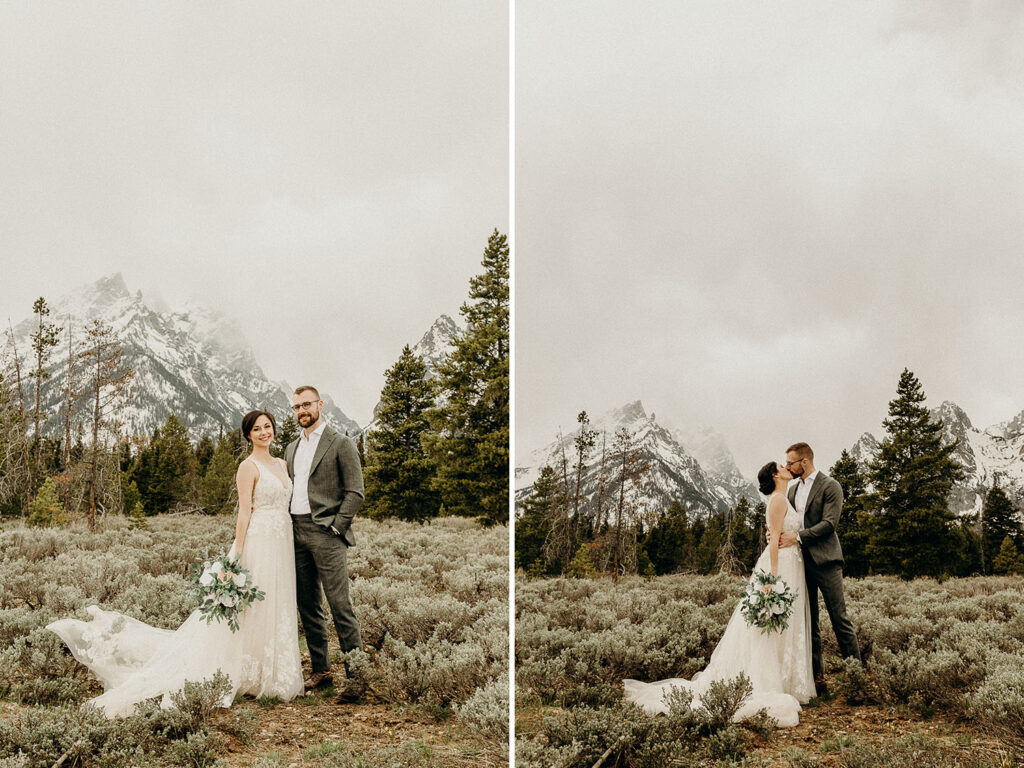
(249, 421)
(766, 478)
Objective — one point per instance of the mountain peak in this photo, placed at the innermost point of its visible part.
(113, 285)
(630, 413)
(951, 412)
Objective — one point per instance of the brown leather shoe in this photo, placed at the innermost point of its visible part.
(319, 680)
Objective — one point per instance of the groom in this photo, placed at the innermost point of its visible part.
(327, 490)
(818, 499)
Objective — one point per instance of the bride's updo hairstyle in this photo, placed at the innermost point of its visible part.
(249, 421)
(766, 478)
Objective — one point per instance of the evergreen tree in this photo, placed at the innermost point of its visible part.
(710, 542)
(217, 490)
(967, 547)
(582, 565)
(143, 473)
(45, 338)
(176, 474)
(669, 543)
(468, 444)
(204, 452)
(999, 519)
(287, 431)
(46, 509)
(853, 522)
(12, 469)
(534, 524)
(1009, 558)
(912, 475)
(399, 477)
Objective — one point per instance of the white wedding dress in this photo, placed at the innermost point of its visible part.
(135, 661)
(778, 665)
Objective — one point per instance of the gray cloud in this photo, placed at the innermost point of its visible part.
(754, 216)
(327, 173)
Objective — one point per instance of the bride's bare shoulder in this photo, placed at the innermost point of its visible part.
(247, 470)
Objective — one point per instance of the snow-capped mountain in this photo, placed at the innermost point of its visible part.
(193, 362)
(435, 345)
(675, 472)
(708, 447)
(988, 456)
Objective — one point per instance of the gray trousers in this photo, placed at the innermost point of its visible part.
(321, 558)
(829, 580)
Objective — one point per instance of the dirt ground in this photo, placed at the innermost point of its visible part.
(291, 728)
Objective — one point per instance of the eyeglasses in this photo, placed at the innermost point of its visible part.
(788, 464)
(304, 406)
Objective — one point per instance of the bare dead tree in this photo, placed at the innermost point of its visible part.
(727, 560)
(109, 383)
(70, 401)
(602, 485)
(631, 467)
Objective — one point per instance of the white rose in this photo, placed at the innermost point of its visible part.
(779, 587)
(228, 601)
(206, 579)
(778, 609)
(239, 579)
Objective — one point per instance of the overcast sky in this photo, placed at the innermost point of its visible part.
(326, 173)
(755, 215)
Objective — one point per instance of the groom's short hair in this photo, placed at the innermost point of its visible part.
(306, 387)
(802, 450)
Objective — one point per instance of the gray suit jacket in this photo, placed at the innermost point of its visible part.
(821, 518)
(335, 481)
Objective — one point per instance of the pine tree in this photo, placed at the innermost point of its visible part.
(176, 471)
(584, 444)
(999, 519)
(468, 442)
(853, 522)
(399, 477)
(46, 336)
(582, 565)
(712, 535)
(217, 490)
(46, 509)
(12, 475)
(669, 544)
(204, 452)
(1009, 558)
(912, 475)
(287, 431)
(534, 524)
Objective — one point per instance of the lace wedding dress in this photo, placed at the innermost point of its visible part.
(135, 661)
(778, 665)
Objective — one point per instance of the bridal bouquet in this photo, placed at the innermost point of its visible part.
(224, 589)
(768, 608)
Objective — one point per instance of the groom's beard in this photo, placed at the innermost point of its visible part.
(308, 418)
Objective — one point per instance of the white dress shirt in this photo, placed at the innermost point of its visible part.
(302, 463)
(803, 490)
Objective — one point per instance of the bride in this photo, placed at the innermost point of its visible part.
(135, 661)
(778, 664)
